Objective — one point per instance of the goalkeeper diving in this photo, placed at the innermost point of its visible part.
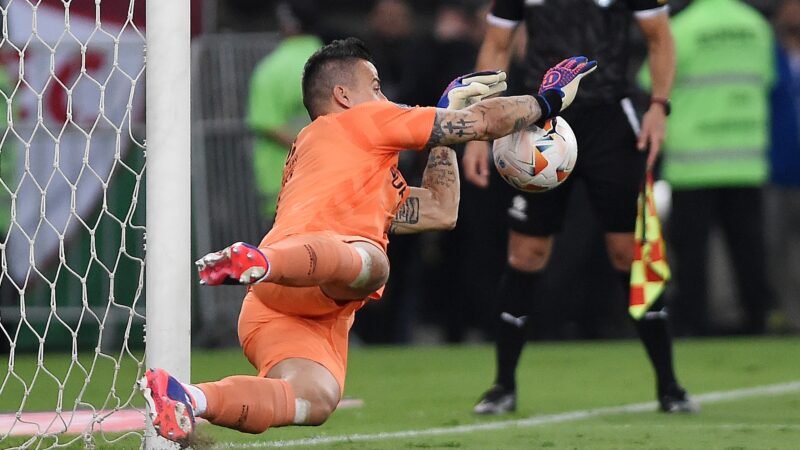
(325, 256)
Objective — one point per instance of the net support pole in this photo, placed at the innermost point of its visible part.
(168, 267)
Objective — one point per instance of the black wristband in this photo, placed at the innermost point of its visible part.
(550, 103)
(664, 102)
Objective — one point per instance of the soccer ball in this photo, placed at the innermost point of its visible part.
(537, 159)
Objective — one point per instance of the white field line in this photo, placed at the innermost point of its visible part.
(711, 397)
(720, 426)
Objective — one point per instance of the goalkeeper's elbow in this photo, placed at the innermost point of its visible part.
(451, 224)
(448, 216)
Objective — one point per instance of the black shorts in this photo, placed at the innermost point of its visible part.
(609, 164)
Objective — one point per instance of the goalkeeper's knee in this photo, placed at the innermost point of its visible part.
(373, 274)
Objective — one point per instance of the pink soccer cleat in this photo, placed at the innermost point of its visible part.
(170, 406)
(239, 263)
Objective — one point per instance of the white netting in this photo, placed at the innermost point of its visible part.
(72, 222)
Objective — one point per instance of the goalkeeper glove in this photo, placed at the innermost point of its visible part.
(560, 84)
(472, 88)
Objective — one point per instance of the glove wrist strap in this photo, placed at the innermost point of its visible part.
(550, 103)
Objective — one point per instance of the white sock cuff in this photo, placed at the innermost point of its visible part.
(199, 398)
(301, 409)
(366, 268)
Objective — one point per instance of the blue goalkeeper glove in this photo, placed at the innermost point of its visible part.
(472, 88)
(560, 84)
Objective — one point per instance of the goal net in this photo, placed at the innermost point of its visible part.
(72, 221)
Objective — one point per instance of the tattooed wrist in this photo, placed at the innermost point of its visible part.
(408, 212)
(486, 120)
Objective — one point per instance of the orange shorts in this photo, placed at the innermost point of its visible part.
(269, 336)
(280, 322)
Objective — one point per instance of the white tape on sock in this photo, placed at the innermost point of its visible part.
(199, 398)
(301, 409)
(366, 269)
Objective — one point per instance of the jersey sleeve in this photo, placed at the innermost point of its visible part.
(386, 127)
(506, 13)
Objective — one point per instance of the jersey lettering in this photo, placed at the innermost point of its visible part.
(288, 171)
(398, 182)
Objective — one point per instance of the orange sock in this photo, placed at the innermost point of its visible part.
(312, 260)
(249, 404)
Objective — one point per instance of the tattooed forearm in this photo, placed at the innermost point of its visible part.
(437, 134)
(441, 179)
(486, 120)
(454, 126)
(434, 205)
(407, 214)
(442, 169)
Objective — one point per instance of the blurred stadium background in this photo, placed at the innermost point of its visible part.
(237, 34)
(230, 38)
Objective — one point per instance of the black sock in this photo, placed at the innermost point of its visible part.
(513, 307)
(653, 330)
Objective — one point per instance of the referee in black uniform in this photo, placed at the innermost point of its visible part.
(614, 151)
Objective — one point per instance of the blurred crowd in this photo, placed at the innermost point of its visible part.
(442, 284)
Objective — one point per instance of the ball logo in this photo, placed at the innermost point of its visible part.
(550, 79)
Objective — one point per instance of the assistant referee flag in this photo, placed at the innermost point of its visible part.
(649, 270)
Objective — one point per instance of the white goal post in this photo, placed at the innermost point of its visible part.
(168, 186)
(96, 268)
(168, 265)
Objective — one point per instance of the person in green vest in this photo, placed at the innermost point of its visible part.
(715, 155)
(275, 111)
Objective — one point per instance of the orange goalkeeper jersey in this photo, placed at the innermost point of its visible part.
(341, 174)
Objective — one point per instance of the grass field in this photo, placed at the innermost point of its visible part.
(583, 395)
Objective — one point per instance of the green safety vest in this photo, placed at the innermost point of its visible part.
(276, 101)
(718, 133)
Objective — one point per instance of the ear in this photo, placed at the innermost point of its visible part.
(342, 96)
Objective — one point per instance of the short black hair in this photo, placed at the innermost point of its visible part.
(329, 66)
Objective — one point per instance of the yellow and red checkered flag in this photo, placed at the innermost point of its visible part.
(649, 270)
